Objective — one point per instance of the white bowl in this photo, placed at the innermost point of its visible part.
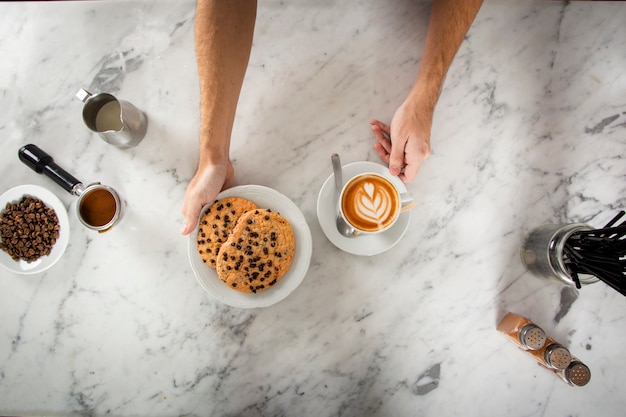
(263, 197)
(52, 201)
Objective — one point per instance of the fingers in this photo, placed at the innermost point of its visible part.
(204, 187)
(192, 205)
(188, 226)
(382, 126)
(382, 152)
(383, 145)
(409, 172)
(391, 155)
(413, 165)
(405, 154)
(191, 213)
(186, 229)
(397, 155)
(396, 159)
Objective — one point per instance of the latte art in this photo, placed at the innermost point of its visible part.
(373, 204)
(370, 202)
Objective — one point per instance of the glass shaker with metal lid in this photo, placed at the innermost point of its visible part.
(522, 331)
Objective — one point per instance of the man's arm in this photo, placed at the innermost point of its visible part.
(223, 39)
(409, 131)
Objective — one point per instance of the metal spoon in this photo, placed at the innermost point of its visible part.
(344, 228)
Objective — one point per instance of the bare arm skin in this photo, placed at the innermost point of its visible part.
(406, 142)
(223, 40)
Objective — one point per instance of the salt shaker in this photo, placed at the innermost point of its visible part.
(523, 332)
(553, 355)
(576, 374)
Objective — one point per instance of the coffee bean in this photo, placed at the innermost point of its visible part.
(28, 229)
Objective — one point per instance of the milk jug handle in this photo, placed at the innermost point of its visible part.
(83, 95)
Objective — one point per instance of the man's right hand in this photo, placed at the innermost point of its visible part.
(205, 185)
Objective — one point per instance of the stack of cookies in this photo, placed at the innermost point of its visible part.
(251, 248)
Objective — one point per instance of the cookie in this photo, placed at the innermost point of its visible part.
(258, 252)
(216, 223)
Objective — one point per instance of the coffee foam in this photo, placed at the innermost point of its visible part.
(370, 202)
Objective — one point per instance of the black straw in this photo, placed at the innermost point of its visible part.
(599, 252)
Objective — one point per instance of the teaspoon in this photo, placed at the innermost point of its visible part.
(342, 226)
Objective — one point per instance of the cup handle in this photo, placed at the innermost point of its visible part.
(83, 95)
(407, 202)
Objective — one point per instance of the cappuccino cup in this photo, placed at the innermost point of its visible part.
(371, 203)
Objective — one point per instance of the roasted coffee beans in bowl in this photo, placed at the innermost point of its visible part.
(34, 229)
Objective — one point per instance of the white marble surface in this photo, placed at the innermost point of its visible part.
(531, 128)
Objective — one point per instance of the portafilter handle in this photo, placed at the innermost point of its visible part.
(42, 163)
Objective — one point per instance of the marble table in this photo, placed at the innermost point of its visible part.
(530, 129)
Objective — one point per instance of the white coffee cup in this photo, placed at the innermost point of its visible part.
(371, 202)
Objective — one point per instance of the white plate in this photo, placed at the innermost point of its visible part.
(52, 201)
(263, 197)
(365, 244)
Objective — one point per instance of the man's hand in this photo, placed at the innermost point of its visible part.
(405, 143)
(203, 188)
(223, 38)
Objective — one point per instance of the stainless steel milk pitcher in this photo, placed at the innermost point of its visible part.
(118, 122)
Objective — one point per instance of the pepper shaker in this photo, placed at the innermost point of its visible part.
(553, 355)
(523, 332)
(576, 374)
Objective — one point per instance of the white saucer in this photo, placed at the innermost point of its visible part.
(263, 197)
(365, 245)
(52, 201)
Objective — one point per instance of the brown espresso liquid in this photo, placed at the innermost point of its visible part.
(98, 207)
(370, 202)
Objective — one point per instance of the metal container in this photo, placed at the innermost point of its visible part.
(99, 207)
(532, 337)
(556, 356)
(542, 252)
(118, 122)
(576, 374)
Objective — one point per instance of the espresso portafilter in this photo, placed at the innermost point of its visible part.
(42, 163)
(99, 206)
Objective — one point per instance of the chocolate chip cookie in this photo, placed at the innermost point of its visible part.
(216, 223)
(258, 252)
